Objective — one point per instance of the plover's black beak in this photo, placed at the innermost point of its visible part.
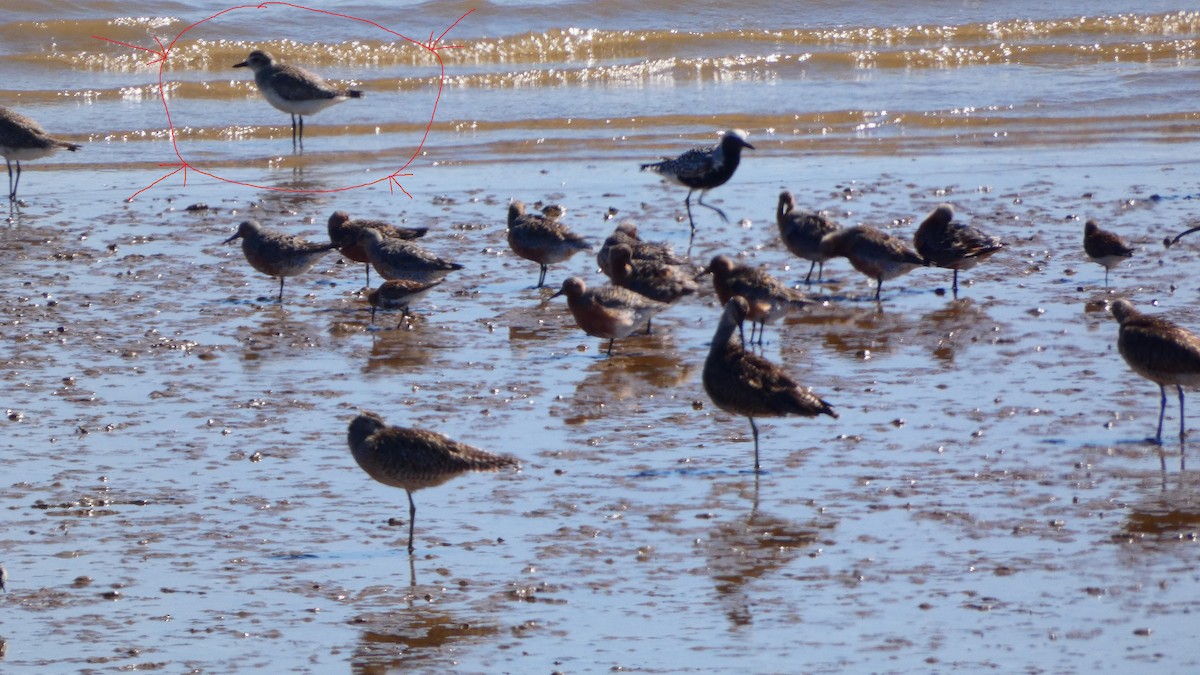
(243, 64)
(235, 236)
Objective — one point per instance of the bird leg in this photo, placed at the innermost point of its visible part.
(610, 344)
(878, 288)
(412, 520)
(721, 213)
(687, 201)
(542, 278)
(808, 278)
(12, 186)
(754, 428)
(280, 299)
(1162, 409)
(955, 284)
(1182, 433)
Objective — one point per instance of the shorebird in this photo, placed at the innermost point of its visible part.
(542, 239)
(399, 259)
(802, 231)
(24, 139)
(652, 279)
(292, 89)
(952, 245)
(1160, 351)
(414, 458)
(1168, 242)
(744, 383)
(704, 169)
(277, 254)
(627, 234)
(608, 311)
(399, 294)
(1105, 247)
(767, 298)
(874, 253)
(344, 232)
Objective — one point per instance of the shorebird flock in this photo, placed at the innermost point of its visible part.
(644, 279)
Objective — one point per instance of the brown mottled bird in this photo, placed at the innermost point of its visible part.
(948, 244)
(802, 232)
(399, 294)
(414, 458)
(651, 278)
(874, 253)
(1160, 351)
(744, 383)
(344, 231)
(542, 239)
(767, 297)
(1104, 247)
(627, 234)
(277, 254)
(21, 138)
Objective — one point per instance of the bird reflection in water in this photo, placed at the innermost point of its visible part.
(752, 547)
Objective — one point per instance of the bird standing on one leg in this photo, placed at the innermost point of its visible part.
(945, 243)
(1159, 351)
(414, 458)
(277, 254)
(873, 252)
(744, 383)
(704, 169)
(1104, 247)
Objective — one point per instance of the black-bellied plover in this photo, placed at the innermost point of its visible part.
(767, 298)
(873, 252)
(542, 239)
(22, 139)
(343, 231)
(399, 294)
(277, 254)
(627, 234)
(949, 244)
(1104, 247)
(608, 312)
(704, 169)
(802, 231)
(400, 259)
(413, 459)
(744, 383)
(292, 89)
(1160, 351)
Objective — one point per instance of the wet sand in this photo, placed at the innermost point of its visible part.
(181, 495)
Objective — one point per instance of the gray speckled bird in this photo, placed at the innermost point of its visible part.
(277, 254)
(802, 231)
(744, 383)
(292, 89)
(399, 259)
(344, 230)
(413, 459)
(704, 169)
(541, 238)
(1160, 351)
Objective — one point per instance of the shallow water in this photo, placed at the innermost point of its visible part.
(181, 496)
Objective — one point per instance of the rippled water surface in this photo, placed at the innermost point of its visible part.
(179, 494)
